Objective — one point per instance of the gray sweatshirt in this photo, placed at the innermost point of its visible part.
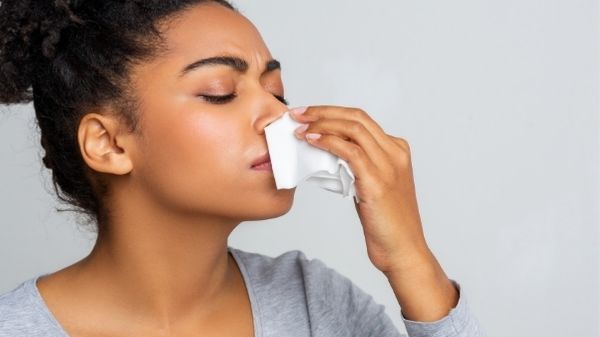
(290, 296)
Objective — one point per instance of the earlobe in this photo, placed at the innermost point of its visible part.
(97, 137)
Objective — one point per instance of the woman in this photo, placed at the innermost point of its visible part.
(152, 114)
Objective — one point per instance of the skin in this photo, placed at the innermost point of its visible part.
(180, 186)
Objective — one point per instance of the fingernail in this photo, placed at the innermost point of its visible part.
(301, 128)
(313, 136)
(299, 110)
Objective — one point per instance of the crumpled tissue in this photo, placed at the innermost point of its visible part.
(294, 161)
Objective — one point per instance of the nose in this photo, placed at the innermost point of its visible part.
(269, 111)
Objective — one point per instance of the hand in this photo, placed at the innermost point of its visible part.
(384, 183)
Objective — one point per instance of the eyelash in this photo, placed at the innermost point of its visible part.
(227, 98)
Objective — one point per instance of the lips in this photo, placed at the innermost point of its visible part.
(265, 158)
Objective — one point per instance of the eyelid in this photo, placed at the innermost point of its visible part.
(219, 99)
(222, 99)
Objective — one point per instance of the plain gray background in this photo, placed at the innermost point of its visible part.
(499, 101)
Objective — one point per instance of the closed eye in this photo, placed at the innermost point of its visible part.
(218, 99)
(228, 98)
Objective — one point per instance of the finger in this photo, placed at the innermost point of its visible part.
(355, 132)
(314, 113)
(354, 155)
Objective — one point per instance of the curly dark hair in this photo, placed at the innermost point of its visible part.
(70, 56)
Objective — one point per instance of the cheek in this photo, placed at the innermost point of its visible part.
(193, 157)
(199, 163)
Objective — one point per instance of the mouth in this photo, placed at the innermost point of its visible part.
(262, 162)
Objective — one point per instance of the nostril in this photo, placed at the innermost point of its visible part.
(274, 119)
(267, 118)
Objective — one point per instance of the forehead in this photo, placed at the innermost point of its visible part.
(210, 29)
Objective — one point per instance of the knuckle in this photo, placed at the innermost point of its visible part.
(355, 127)
(354, 152)
(357, 112)
(402, 142)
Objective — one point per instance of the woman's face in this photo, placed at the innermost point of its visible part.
(194, 156)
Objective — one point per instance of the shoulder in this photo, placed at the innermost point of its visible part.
(331, 302)
(318, 279)
(291, 266)
(20, 314)
(267, 262)
(15, 304)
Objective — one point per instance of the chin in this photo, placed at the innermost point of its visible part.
(273, 206)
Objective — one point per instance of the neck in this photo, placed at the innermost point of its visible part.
(161, 265)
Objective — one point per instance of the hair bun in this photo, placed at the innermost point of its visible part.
(51, 27)
(28, 29)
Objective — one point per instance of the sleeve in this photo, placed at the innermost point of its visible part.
(338, 307)
(459, 322)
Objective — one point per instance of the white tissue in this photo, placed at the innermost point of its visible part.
(294, 160)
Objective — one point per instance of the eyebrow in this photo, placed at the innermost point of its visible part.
(238, 64)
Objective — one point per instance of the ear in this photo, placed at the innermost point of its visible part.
(103, 145)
